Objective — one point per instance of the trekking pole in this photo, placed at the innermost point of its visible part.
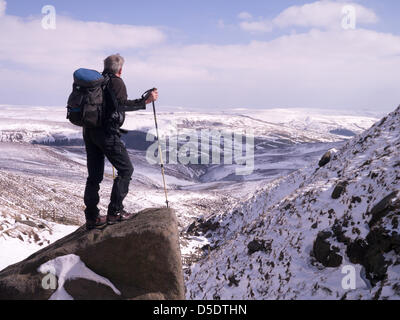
(160, 153)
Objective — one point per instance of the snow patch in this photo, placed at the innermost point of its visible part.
(70, 267)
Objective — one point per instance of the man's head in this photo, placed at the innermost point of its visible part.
(114, 64)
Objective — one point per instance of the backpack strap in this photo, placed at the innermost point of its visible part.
(113, 110)
(109, 89)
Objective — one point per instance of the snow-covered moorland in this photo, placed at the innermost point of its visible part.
(43, 185)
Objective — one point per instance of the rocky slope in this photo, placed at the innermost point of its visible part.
(292, 239)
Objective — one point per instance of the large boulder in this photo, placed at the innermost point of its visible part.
(136, 259)
(388, 204)
(339, 189)
(325, 159)
(324, 252)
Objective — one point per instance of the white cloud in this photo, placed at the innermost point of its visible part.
(320, 14)
(337, 69)
(326, 14)
(245, 15)
(256, 26)
(3, 6)
(25, 42)
(318, 68)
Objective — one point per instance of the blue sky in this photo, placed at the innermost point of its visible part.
(195, 20)
(202, 54)
(191, 21)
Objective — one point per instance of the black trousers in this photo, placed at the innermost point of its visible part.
(99, 145)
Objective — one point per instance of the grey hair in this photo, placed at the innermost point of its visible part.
(114, 63)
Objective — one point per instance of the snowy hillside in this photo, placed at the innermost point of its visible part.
(292, 238)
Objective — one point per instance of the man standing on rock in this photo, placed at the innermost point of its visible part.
(105, 142)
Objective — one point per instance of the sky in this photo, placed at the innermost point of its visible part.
(208, 55)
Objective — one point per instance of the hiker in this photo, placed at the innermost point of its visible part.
(105, 142)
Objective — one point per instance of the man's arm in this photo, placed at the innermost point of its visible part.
(133, 105)
(130, 105)
(122, 97)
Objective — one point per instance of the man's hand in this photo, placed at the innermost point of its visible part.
(153, 97)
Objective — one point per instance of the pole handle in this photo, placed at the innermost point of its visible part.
(147, 94)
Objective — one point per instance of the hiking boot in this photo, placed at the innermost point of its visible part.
(112, 218)
(123, 215)
(120, 216)
(99, 223)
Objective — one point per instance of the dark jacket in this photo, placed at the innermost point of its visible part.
(117, 103)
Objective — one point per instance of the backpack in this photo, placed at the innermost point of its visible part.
(86, 103)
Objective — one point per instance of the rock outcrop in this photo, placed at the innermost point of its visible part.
(325, 159)
(339, 189)
(137, 259)
(324, 252)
